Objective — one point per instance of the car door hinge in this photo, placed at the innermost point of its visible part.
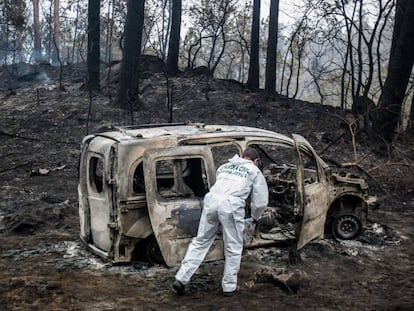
(112, 181)
(113, 225)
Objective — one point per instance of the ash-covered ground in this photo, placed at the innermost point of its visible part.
(44, 266)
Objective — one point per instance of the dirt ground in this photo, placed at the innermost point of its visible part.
(44, 266)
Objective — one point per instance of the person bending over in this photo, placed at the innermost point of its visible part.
(224, 204)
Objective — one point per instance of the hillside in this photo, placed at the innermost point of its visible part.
(44, 266)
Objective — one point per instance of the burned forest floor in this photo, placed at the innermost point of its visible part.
(44, 265)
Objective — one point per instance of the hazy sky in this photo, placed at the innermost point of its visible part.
(286, 9)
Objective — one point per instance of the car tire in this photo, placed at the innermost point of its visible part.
(152, 251)
(346, 226)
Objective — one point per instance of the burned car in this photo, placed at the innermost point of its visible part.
(141, 190)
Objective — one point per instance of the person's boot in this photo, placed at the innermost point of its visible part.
(179, 287)
(229, 294)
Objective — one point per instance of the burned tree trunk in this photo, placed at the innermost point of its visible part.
(386, 119)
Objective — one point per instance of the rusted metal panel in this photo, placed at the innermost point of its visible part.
(99, 198)
(312, 198)
(175, 219)
(314, 214)
(115, 218)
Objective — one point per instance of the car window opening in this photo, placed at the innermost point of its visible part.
(221, 154)
(96, 172)
(138, 181)
(183, 178)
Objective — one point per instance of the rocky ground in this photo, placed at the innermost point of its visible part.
(43, 265)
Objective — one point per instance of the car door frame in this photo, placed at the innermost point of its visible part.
(168, 217)
(100, 209)
(311, 200)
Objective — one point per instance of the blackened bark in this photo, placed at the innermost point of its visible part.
(128, 80)
(174, 41)
(386, 119)
(270, 84)
(400, 8)
(37, 49)
(253, 79)
(93, 57)
(56, 33)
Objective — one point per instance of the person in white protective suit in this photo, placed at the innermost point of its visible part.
(225, 205)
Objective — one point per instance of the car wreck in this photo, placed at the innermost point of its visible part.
(141, 190)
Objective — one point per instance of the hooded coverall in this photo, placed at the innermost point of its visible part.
(224, 205)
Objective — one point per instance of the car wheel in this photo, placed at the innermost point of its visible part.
(346, 227)
(153, 252)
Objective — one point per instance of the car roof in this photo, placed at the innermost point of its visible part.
(186, 131)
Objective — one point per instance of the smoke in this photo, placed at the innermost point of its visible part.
(43, 78)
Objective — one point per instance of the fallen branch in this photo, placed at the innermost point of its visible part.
(391, 164)
(36, 139)
(6, 155)
(17, 166)
(18, 136)
(352, 164)
(288, 281)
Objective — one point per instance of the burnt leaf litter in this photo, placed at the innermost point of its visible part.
(44, 265)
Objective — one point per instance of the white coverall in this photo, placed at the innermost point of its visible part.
(225, 204)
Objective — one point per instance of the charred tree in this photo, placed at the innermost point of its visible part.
(128, 81)
(14, 20)
(385, 120)
(56, 32)
(253, 79)
(270, 84)
(94, 55)
(37, 48)
(174, 41)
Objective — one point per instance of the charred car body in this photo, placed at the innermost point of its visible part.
(141, 189)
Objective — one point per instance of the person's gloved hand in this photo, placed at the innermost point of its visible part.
(249, 226)
(266, 222)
